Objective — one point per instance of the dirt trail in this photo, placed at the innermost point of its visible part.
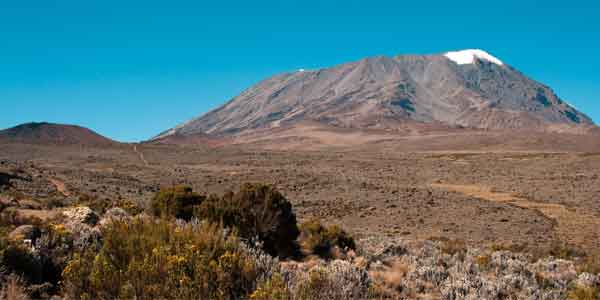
(574, 227)
(141, 155)
(60, 187)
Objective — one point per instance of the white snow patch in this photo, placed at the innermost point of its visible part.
(301, 70)
(468, 56)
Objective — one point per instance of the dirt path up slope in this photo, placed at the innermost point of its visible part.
(572, 226)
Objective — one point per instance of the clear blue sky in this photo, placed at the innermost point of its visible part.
(131, 69)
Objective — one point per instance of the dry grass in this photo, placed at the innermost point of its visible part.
(591, 263)
(390, 282)
(451, 246)
(584, 293)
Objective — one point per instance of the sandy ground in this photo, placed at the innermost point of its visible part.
(574, 227)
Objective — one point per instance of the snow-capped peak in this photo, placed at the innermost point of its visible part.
(468, 56)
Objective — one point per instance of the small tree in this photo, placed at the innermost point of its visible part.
(257, 210)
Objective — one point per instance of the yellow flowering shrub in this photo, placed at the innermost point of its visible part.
(148, 259)
(272, 289)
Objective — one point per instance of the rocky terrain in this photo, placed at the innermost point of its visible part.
(468, 88)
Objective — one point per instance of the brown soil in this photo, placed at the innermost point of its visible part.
(378, 189)
(60, 187)
(574, 227)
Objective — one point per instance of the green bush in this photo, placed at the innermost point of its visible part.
(178, 202)
(316, 239)
(16, 258)
(148, 259)
(39, 267)
(256, 211)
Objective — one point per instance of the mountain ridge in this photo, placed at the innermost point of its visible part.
(474, 89)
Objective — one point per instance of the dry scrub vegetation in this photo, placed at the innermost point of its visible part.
(248, 245)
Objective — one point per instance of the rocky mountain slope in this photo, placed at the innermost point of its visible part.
(48, 133)
(468, 88)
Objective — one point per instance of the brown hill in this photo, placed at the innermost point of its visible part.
(55, 134)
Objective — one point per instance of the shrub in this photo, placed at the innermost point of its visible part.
(272, 289)
(584, 293)
(315, 239)
(18, 259)
(391, 281)
(335, 280)
(147, 259)
(451, 246)
(591, 264)
(103, 205)
(94, 203)
(129, 206)
(13, 289)
(178, 202)
(556, 249)
(41, 268)
(483, 261)
(55, 248)
(509, 246)
(256, 211)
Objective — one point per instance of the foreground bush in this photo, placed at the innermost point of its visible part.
(16, 258)
(326, 280)
(325, 242)
(13, 289)
(148, 259)
(256, 211)
(178, 202)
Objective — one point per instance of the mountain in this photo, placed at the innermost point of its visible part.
(56, 134)
(469, 88)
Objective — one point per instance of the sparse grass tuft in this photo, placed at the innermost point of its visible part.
(584, 293)
(591, 263)
(483, 261)
(451, 246)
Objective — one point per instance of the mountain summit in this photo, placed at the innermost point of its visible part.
(470, 56)
(468, 88)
